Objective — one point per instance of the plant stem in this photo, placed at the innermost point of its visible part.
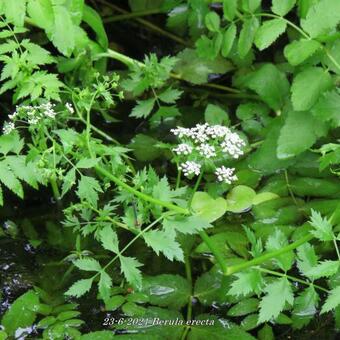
(178, 179)
(148, 24)
(336, 248)
(199, 179)
(189, 279)
(261, 259)
(132, 15)
(293, 278)
(141, 195)
(55, 189)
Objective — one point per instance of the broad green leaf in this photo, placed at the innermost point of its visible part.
(76, 8)
(322, 17)
(228, 40)
(15, 11)
(114, 302)
(282, 7)
(143, 108)
(88, 188)
(244, 307)
(270, 84)
(207, 208)
(62, 34)
(211, 287)
(129, 267)
(218, 329)
(300, 132)
(80, 287)
(266, 333)
(248, 281)
(305, 305)
(93, 19)
(144, 148)
(196, 70)
(250, 322)
(164, 241)
(109, 239)
(41, 12)
(247, 36)
(240, 199)
(299, 50)
(132, 309)
(268, 32)
(279, 292)
(87, 163)
(8, 178)
(333, 300)
(186, 225)
(328, 107)
(325, 268)
(250, 6)
(322, 228)
(165, 290)
(307, 87)
(264, 197)
(11, 143)
(229, 9)
(212, 21)
(215, 115)
(87, 264)
(21, 313)
(304, 6)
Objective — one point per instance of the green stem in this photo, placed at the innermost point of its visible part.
(189, 279)
(293, 278)
(336, 248)
(199, 179)
(55, 189)
(178, 179)
(261, 259)
(139, 194)
(132, 15)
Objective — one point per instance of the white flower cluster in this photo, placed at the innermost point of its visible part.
(226, 175)
(190, 168)
(204, 142)
(32, 115)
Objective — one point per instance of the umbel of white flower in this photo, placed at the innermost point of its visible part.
(32, 115)
(203, 142)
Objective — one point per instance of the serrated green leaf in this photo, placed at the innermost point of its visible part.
(129, 267)
(322, 228)
(212, 21)
(186, 225)
(69, 181)
(247, 36)
(164, 241)
(87, 264)
(143, 108)
(244, 307)
(249, 281)
(282, 7)
(109, 239)
(299, 50)
(41, 13)
(170, 95)
(268, 32)
(228, 40)
(322, 17)
(306, 303)
(307, 87)
(8, 178)
(229, 9)
(62, 36)
(278, 294)
(15, 11)
(11, 143)
(80, 287)
(104, 285)
(325, 268)
(300, 132)
(307, 258)
(88, 188)
(333, 300)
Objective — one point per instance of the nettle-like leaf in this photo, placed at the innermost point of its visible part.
(307, 259)
(278, 293)
(109, 239)
(164, 241)
(129, 267)
(282, 7)
(269, 32)
(80, 287)
(143, 108)
(322, 228)
(307, 87)
(88, 189)
(332, 301)
(87, 264)
(325, 268)
(249, 281)
(186, 225)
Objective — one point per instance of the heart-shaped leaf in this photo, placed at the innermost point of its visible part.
(240, 199)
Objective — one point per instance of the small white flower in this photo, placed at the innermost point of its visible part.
(183, 149)
(217, 131)
(232, 144)
(226, 175)
(8, 127)
(69, 108)
(190, 168)
(181, 132)
(206, 150)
